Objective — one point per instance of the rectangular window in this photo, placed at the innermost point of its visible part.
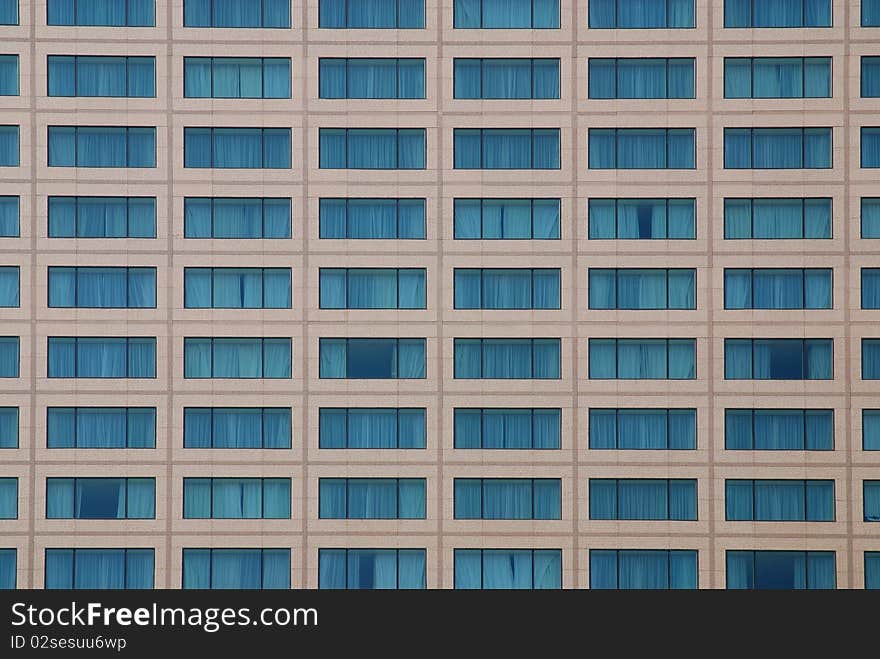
(8, 498)
(781, 570)
(507, 219)
(9, 286)
(507, 428)
(102, 288)
(8, 569)
(102, 146)
(508, 569)
(102, 217)
(779, 500)
(236, 288)
(87, 75)
(236, 427)
(236, 13)
(376, 77)
(778, 359)
(777, 13)
(778, 288)
(643, 359)
(381, 15)
(371, 569)
(508, 498)
(872, 569)
(9, 146)
(871, 430)
(235, 569)
(639, 429)
(642, 77)
(371, 498)
(871, 359)
(642, 219)
(99, 569)
(230, 218)
(777, 218)
(236, 498)
(236, 77)
(371, 219)
(506, 148)
(101, 427)
(778, 430)
(643, 569)
(9, 216)
(8, 73)
(372, 428)
(871, 492)
(513, 14)
(238, 357)
(9, 14)
(372, 359)
(236, 148)
(870, 13)
(777, 77)
(870, 147)
(508, 359)
(777, 148)
(507, 78)
(8, 427)
(102, 13)
(643, 499)
(870, 76)
(507, 288)
(870, 215)
(372, 288)
(9, 356)
(100, 498)
(642, 148)
(870, 288)
(647, 14)
(372, 148)
(642, 288)
(101, 357)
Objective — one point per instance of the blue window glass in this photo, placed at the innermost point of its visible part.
(371, 498)
(871, 494)
(371, 219)
(870, 215)
(870, 76)
(506, 148)
(777, 13)
(101, 357)
(9, 217)
(100, 498)
(506, 14)
(643, 359)
(778, 288)
(102, 217)
(870, 147)
(641, 77)
(372, 148)
(8, 74)
(238, 357)
(371, 569)
(642, 219)
(379, 14)
(236, 13)
(102, 288)
(638, 429)
(236, 77)
(372, 428)
(643, 569)
(9, 286)
(870, 288)
(642, 288)
(372, 288)
(99, 569)
(102, 13)
(777, 218)
(781, 570)
(870, 13)
(508, 569)
(508, 359)
(508, 498)
(236, 288)
(236, 148)
(9, 356)
(9, 146)
(101, 427)
(643, 499)
(778, 359)
(228, 218)
(372, 359)
(777, 148)
(641, 14)
(8, 498)
(233, 569)
(362, 77)
(8, 427)
(507, 288)
(8, 569)
(81, 75)
(102, 146)
(778, 430)
(507, 428)
(642, 148)
(871, 430)
(236, 427)
(497, 78)
(777, 77)
(871, 359)
(507, 219)
(8, 12)
(779, 500)
(872, 568)
(236, 498)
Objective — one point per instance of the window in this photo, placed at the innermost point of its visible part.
(506, 148)
(372, 359)
(778, 359)
(633, 77)
(103, 13)
(372, 288)
(645, 288)
(102, 288)
(384, 14)
(871, 359)
(236, 288)
(871, 430)
(871, 490)
(870, 147)
(102, 146)
(221, 569)
(508, 359)
(777, 218)
(8, 498)
(99, 569)
(507, 288)
(870, 76)
(8, 12)
(102, 357)
(870, 13)
(7, 569)
(236, 427)
(100, 498)
(777, 13)
(8, 427)
(228, 218)
(778, 288)
(638, 429)
(779, 500)
(371, 219)
(778, 430)
(81, 75)
(643, 359)
(507, 428)
(507, 219)
(102, 217)
(9, 146)
(643, 569)
(642, 148)
(8, 356)
(8, 72)
(870, 288)
(236, 13)
(9, 214)
(236, 77)
(101, 427)
(236, 498)
(626, 14)
(642, 219)
(371, 498)
(872, 568)
(870, 213)
(513, 14)
(777, 148)
(236, 148)
(371, 569)
(362, 77)
(371, 148)
(372, 428)
(781, 570)
(643, 499)
(9, 286)
(239, 357)
(508, 78)
(508, 569)
(777, 77)
(508, 498)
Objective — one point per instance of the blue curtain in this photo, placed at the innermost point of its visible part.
(870, 359)
(332, 569)
(870, 147)
(507, 358)
(9, 286)
(9, 217)
(373, 498)
(780, 570)
(870, 216)
(9, 12)
(870, 13)
(8, 569)
(871, 430)
(9, 146)
(332, 498)
(9, 357)
(468, 569)
(872, 569)
(643, 499)
(8, 74)
(507, 499)
(196, 498)
(642, 359)
(8, 427)
(603, 498)
(8, 498)
(196, 568)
